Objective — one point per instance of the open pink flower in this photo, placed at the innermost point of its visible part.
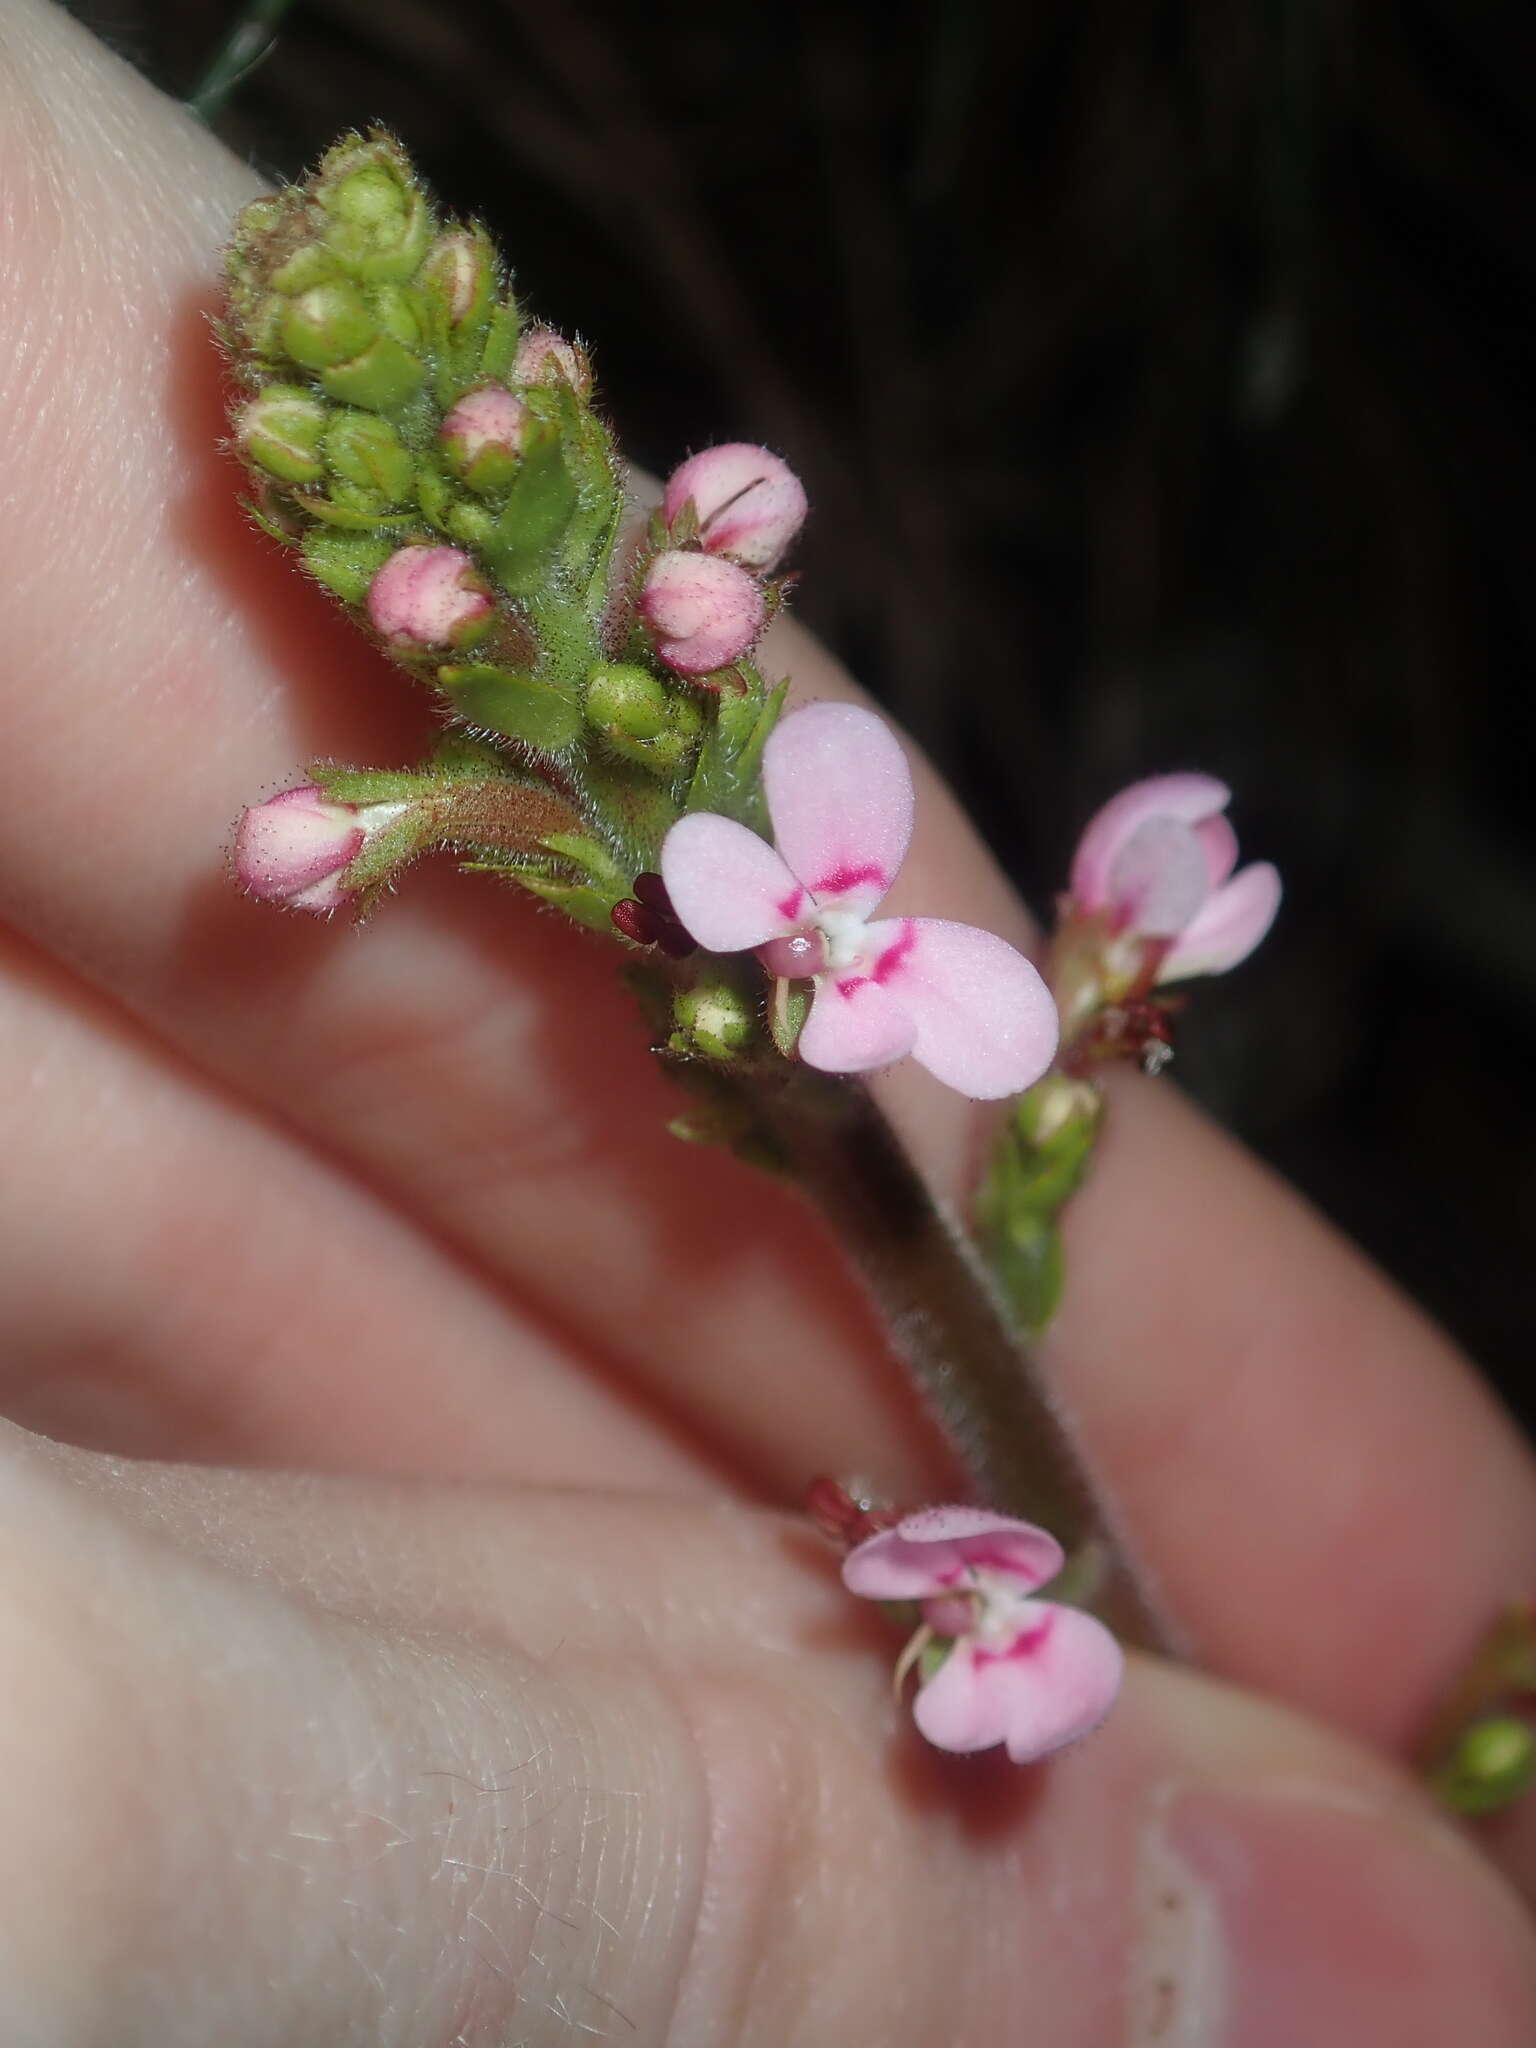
(1027, 1673)
(962, 1002)
(1157, 861)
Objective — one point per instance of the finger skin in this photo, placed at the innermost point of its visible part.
(372, 1765)
(1211, 1388)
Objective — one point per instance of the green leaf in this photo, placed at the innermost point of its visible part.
(519, 706)
(540, 505)
(346, 563)
(579, 900)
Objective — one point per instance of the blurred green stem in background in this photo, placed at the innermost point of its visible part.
(237, 56)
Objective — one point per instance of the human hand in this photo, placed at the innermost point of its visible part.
(544, 1722)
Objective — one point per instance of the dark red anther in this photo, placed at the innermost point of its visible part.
(636, 922)
(652, 891)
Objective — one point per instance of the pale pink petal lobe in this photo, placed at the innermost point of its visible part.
(984, 1020)
(729, 889)
(840, 796)
(854, 1027)
(1054, 1683)
(937, 1548)
(1220, 843)
(1228, 927)
(1189, 798)
(1158, 878)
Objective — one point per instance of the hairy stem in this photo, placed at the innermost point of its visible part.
(951, 1334)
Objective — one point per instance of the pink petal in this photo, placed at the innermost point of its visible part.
(1159, 878)
(854, 1027)
(729, 889)
(1220, 843)
(937, 1548)
(1188, 798)
(1056, 1681)
(985, 1022)
(840, 796)
(1229, 926)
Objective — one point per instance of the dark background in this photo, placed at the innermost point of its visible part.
(1162, 378)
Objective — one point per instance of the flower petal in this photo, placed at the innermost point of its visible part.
(840, 796)
(1057, 1680)
(1229, 926)
(729, 889)
(1159, 878)
(854, 1027)
(985, 1022)
(937, 1548)
(1188, 798)
(1220, 843)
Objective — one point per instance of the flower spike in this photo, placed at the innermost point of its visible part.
(960, 1001)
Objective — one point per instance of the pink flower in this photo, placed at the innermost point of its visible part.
(1157, 862)
(429, 597)
(962, 1002)
(750, 505)
(294, 848)
(1019, 1671)
(705, 613)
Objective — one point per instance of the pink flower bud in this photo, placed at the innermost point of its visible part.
(544, 357)
(295, 847)
(483, 436)
(750, 505)
(429, 597)
(705, 612)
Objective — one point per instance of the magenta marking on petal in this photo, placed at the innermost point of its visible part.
(894, 958)
(840, 879)
(1028, 1643)
(848, 985)
(791, 906)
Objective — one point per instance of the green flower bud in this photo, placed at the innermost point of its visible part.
(281, 431)
(383, 378)
(625, 698)
(458, 275)
(641, 719)
(366, 451)
(396, 314)
(307, 266)
(1047, 1110)
(1490, 1767)
(379, 223)
(717, 1020)
(329, 323)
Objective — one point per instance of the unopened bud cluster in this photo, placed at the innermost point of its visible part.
(438, 464)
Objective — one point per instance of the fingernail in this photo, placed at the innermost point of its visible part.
(1291, 1917)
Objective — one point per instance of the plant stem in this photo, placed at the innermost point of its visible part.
(951, 1333)
(242, 49)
